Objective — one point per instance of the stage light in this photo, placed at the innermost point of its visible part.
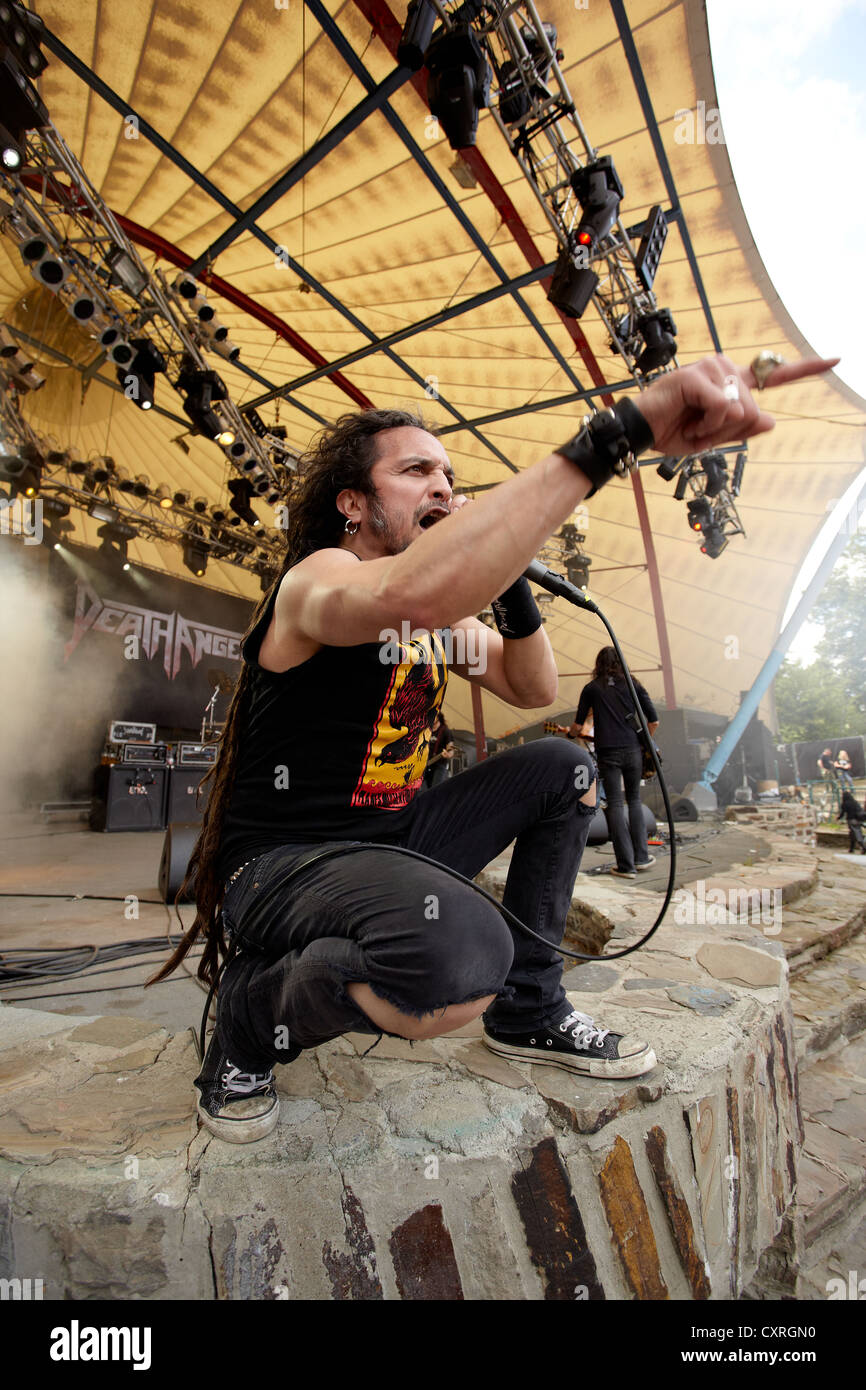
(45, 263)
(739, 469)
(19, 31)
(162, 496)
(55, 507)
(682, 484)
(138, 379)
(23, 473)
(101, 510)
(417, 32)
(458, 84)
(655, 234)
(195, 550)
(572, 285)
(230, 351)
(102, 468)
(196, 302)
(202, 389)
(115, 537)
(715, 469)
(11, 153)
(515, 100)
(117, 348)
(141, 485)
(599, 191)
(125, 272)
(700, 514)
(577, 570)
(200, 505)
(715, 541)
(181, 499)
(241, 491)
(658, 331)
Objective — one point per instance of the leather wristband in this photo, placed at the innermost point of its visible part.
(608, 443)
(515, 612)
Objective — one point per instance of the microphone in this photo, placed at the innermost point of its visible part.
(555, 584)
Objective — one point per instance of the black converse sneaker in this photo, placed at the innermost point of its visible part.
(577, 1044)
(238, 1106)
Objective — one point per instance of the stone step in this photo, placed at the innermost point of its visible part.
(829, 1000)
(831, 1179)
(824, 919)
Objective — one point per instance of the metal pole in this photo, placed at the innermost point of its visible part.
(753, 697)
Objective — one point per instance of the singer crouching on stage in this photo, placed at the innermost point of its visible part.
(326, 743)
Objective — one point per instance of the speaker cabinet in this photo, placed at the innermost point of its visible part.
(183, 783)
(128, 797)
(177, 848)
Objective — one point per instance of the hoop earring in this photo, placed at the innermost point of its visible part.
(352, 528)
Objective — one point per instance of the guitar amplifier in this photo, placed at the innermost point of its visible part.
(128, 797)
(183, 784)
(145, 754)
(196, 754)
(124, 731)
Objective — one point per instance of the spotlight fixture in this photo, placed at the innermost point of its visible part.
(417, 32)
(122, 480)
(11, 152)
(715, 541)
(163, 496)
(200, 505)
(196, 302)
(180, 499)
(202, 389)
(700, 514)
(716, 472)
(515, 99)
(225, 438)
(24, 474)
(458, 83)
(19, 32)
(599, 191)
(138, 379)
(53, 506)
(141, 486)
(102, 510)
(739, 469)
(195, 550)
(44, 262)
(577, 570)
(125, 272)
(572, 285)
(117, 348)
(102, 468)
(116, 536)
(658, 331)
(241, 491)
(655, 234)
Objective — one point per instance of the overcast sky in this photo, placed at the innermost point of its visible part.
(792, 96)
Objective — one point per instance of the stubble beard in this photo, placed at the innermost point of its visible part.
(383, 530)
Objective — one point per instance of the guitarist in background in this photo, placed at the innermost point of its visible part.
(619, 757)
(440, 753)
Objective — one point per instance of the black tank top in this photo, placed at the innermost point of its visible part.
(333, 749)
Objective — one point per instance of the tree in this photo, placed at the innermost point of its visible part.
(841, 608)
(812, 702)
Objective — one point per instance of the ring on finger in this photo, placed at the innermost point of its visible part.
(731, 389)
(763, 365)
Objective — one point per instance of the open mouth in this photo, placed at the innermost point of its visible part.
(430, 518)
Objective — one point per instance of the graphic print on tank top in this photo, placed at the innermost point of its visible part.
(396, 755)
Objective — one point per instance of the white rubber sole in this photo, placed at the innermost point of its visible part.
(620, 1070)
(241, 1131)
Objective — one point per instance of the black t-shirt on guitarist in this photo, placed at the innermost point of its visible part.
(610, 703)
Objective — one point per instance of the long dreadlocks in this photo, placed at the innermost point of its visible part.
(341, 457)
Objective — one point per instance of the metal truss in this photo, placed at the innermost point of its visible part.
(52, 200)
(549, 141)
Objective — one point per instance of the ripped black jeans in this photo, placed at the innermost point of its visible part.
(420, 938)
